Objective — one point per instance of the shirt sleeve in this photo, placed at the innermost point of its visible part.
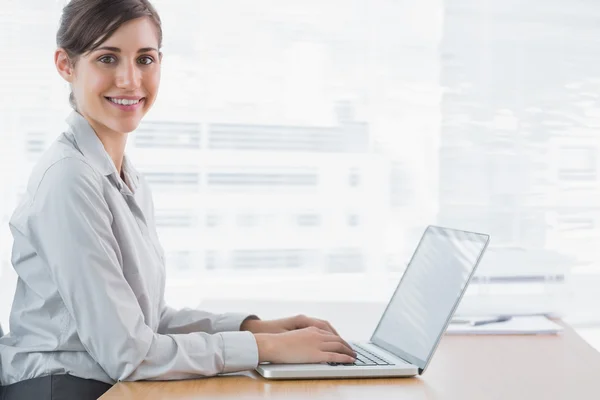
(188, 320)
(70, 228)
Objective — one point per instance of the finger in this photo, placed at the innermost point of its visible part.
(301, 321)
(337, 347)
(323, 325)
(338, 358)
(330, 327)
(331, 337)
(325, 332)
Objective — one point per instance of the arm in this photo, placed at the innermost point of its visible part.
(70, 227)
(188, 320)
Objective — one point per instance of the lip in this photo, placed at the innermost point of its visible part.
(132, 107)
(126, 97)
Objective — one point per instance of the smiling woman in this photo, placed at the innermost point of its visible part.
(89, 306)
(112, 64)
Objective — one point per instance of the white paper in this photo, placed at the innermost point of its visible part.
(526, 325)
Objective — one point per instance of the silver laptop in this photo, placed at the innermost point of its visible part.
(416, 317)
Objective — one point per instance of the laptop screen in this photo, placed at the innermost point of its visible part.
(428, 293)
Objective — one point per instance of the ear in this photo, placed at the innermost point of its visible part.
(63, 65)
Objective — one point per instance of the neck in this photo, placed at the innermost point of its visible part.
(113, 142)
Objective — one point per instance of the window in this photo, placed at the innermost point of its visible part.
(183, 264)
(345, 260)
(180, 181)
(314, 141)
(161, 135)
(213, 220)
(354, 178)
(271, 259)
(248, 220)
(288, 138)
(578, 164)
(265, 179)
(308, 220)
(574, 224)
(175, 218)
(353, 220)
(36, 143)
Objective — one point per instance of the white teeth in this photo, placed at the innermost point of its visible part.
(124, 102)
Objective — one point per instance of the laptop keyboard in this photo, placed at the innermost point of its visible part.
(364, 358)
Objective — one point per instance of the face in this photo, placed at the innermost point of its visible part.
(116, 85)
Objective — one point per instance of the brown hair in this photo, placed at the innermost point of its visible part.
(86, 24)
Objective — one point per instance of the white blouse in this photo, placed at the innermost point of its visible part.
(91, 278)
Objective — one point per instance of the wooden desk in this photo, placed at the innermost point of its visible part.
(487, 368)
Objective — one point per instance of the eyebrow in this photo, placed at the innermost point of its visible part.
(118, 50)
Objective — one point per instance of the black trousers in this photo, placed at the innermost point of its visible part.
(54, 387)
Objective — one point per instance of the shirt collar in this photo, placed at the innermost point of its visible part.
(90, 145)
(132, 174)
(93, 149)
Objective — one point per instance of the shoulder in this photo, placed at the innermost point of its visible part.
(59, 189)
(63, 161)
(67, 172)
(62, 181)
(60, 177)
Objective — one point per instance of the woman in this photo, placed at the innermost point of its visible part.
(89, 306)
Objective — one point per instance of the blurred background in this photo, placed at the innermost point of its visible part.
(298, 149)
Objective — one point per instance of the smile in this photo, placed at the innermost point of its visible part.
(126, 105)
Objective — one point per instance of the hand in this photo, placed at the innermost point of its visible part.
(305, 345)
(286, 324)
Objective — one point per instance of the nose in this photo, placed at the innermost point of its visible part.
(128, 76)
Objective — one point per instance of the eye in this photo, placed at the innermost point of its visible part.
(145, 60)
(106, 59)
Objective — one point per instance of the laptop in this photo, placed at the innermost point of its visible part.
(415, 318)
